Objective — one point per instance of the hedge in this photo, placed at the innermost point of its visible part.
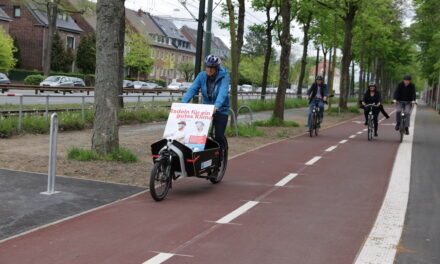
(34, 79)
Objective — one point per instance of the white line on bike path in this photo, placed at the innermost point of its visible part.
(237, 212)
(331, 148)
(313, 160)
(343, 141)
(360, 132)
(159, 258)
(352, 136)
(381, 244)
(286, 179)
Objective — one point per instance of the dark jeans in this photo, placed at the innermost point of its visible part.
(384, 113)
(375, 114)
(405, 107)
(220, 121)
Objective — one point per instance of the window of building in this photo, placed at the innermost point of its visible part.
(17, 12)
(63, 16)
(70, 43)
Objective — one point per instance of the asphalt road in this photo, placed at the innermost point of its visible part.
(420, 240)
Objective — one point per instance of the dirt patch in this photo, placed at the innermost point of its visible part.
(30, 152)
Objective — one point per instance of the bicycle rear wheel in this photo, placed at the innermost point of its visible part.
(312, 124)
(223, 165)
(402, 129)
(316, 124)
(160, 180)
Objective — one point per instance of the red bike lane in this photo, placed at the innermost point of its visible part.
(322, 215)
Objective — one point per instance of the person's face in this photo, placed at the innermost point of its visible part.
(406, 82)
(318, 82)
(211, 71)
(199, 126)
(372, 88)
(181, 126)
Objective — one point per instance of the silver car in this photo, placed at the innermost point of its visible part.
(57, 81)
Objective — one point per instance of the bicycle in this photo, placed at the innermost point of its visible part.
(315, 122)
(402, 128)
(370, 121)
(173, 160)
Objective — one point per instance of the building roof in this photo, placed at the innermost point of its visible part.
(4, 16)
(39, 13)
(170, 30)
(216, 41)
(219, 43)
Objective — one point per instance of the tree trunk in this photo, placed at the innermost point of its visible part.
(110, 31)
(52, 13)
(346, 54)
(268, 55)
(284, 60)
(352, 80)
(240, 28)
(306, 39)
(361, 72)
(332, 79)
(317, 62)
(324, 53)
(234, 56)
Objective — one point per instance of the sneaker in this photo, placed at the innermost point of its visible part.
(406, 131)
(397, 126)
(375, 134)
(365, 123)
(387, 117)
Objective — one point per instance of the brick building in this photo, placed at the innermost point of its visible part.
(29, 25)
(169, 47)
(4, 20)
(218, 47)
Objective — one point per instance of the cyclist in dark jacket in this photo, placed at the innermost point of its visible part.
(404, 97)
(372, 96)
(317, 94)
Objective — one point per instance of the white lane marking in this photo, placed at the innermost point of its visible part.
(343, 141)
(159, 258)
(331, 148)
(352, 136)
(286, 179)
(381, 244)
(237, 212)
(313, 161)
(365, 129)
(360, 132)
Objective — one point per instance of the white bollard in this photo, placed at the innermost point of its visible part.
(52, 170)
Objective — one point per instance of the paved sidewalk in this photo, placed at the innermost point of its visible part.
(24, 208)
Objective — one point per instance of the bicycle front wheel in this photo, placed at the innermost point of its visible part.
(316, 124)
(312, 124)
(160, 180)
(370, 129)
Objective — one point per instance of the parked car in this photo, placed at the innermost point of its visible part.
(4, 80)
(246, 88)
(185, 86)
(127, 84)
(271, 89)
(78, 82)
(174, 86)
(57, 81)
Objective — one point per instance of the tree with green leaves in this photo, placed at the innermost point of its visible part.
(86, 55)
(187, 70)
(138, 53)
(17, 53)
(254, 38)
(7, 60)
(346, 10)
(61, 59)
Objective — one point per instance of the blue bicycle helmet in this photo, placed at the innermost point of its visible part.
(212, 61)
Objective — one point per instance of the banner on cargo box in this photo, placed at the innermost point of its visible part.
(189, 124)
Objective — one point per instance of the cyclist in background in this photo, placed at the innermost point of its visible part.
(372, 96)
(317, 94)
(404, 97)
(214, 83)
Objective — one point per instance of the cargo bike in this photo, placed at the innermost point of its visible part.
(173, 160)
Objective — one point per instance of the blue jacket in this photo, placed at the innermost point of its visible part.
(220, 94)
